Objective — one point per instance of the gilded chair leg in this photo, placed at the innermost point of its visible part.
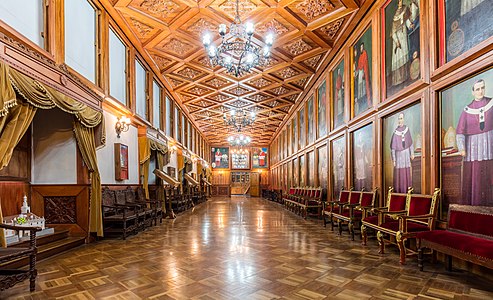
(339, 225)
(402, 249)
(381, 242)
(364, 237)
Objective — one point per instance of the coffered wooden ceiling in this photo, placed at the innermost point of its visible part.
(170, 32)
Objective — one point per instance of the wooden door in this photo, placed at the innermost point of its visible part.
(254, 184)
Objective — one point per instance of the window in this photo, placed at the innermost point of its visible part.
(25, 16)
(118, 68)
(176, 121)
(80, 38)
(194, 150)
(140, 90)
(183, 128)
(189, 135)
(156, 104)
(168, 117)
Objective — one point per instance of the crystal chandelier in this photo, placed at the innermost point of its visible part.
(240, 54)
(240, 140)
(239, 120)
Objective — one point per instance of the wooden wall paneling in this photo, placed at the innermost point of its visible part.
(426, 149)
(80, 192)
(49, 26)
(11, 193)
(103, 67)
(59, 50)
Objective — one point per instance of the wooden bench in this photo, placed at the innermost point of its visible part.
(469, 236)
(10, 277)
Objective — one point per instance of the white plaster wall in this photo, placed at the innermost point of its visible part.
(54, 148)
(106, 159)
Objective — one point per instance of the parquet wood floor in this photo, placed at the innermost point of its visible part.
(242, 248)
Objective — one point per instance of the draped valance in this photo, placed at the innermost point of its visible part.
(147, 144)
(42, 96)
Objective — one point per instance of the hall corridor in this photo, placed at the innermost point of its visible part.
(242, 248)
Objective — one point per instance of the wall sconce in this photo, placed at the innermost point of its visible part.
(172, 149)
(122, 125)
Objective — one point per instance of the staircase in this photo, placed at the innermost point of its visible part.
(48, 245)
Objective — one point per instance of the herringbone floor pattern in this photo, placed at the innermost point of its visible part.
(242, 248)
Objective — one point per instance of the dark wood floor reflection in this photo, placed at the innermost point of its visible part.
(242, 248)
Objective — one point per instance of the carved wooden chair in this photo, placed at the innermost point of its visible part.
(421, 211)
(10, 276)
(312, 205)
(330, 207)
(156, 205)
(146, 211)
(345, 210)
(117, 218)
(395, 205)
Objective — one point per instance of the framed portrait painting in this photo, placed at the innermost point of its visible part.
(296, 171)
(220, 157)
(322, 109)
(290, 171)
(294, 127)
(467, 142)
(338, 104)
(402, 143)
(310, 120)
(361, 88)
(260, 157)
(289, 133)
(302, 170)
(338, 149)
(322, 154)
(310, 156)
(302, 128)
(463, 26)
(401, 44)
(362, 144)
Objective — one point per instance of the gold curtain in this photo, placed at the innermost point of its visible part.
(180, 159)
(144, 159)
(41, 96)
(87, 147)
(160, 188)
(12, 129)
(7, 93)
(145, 146)
(15, 118)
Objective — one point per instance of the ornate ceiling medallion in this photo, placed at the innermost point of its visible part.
(216, 82)
(273, 26)
(142, 29)
(287, 73)
(259, 82)
(298, 47)
(202, 25)
(160, 7)
(177, 47)
(312, 62)
(314, 8)
(332, 29)
(244, 7)
(189, 73)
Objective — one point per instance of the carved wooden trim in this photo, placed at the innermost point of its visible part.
(44, 69)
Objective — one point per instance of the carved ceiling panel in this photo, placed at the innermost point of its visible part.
(170, 31)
